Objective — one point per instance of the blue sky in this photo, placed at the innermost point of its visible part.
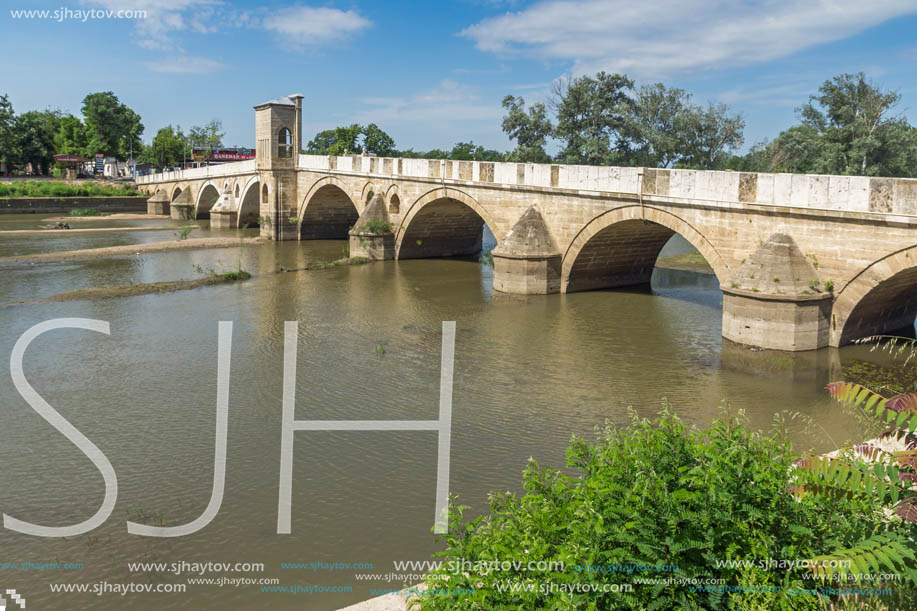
(434, 73)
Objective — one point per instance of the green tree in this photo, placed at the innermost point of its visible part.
(70, 138)
(377, 142)
(656, 125)
(341, 140)
(207, 136)
(35, 132)
(469, 151)
(167, 149)
(8, 140)
(710, 135)
(861, 134)
(111, 126)
(591, 116)
(530, 130)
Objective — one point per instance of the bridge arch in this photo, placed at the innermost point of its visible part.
(249, 202)
(175, 193)
(207, 196)
(881, 298)
(393, 197)
(327, 211)
(619, 248)
(368, 188)
(443, 222)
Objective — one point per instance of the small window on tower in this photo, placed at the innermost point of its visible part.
(284, 144)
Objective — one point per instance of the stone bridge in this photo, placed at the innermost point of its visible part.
(804, 261)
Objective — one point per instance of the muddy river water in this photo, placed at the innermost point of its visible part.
(529, 373)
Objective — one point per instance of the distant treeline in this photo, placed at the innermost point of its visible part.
(849, 127)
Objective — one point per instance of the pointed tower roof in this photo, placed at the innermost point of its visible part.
(529, 237)
(287, 100)
(778, 267)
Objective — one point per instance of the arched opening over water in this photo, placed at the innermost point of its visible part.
(622, 247)
(175, 193)
(444, 227)
(250, 207)
(327, 214)
(888, 308)
(205, 201)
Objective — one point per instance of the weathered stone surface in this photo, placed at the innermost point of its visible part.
(158, 204)
(527, 260)
(881, 192)
(223, 219)
(224, 213)
(181, 212)
(378, 244)
(779, 268)
(776, 300)
(528, 238)
(748, 187)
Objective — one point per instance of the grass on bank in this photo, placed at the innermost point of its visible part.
(86, 212)
(148, 288)
(55, 188)
(320, 265)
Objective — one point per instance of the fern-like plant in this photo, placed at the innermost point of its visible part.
(886, 477)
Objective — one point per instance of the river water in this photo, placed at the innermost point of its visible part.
(529, 373)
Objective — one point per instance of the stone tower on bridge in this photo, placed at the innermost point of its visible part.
(278, 143)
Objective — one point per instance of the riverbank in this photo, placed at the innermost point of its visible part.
(132, 249)
(133, 290)
(56, 205)
(117, 216)
(691, 262)
(87, 230)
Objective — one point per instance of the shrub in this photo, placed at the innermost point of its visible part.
(185, 231)
(53, 188)
(653, 494)
(377, 226)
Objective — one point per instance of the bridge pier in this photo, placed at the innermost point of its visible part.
(158, 204)
(372, 236)
(775, 300)
(224, 214)
(526, 261)
(182, 207)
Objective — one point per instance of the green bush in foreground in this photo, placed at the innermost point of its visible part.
(53, 188)
(657, 493)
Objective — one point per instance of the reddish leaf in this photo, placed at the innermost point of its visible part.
(907, 509)
(868, 451)
(903, 403)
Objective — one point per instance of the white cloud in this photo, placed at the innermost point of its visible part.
(300, 25)
(674, 36)
(164, 17)
(448, 101)
(185, 65)
(306, 26)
